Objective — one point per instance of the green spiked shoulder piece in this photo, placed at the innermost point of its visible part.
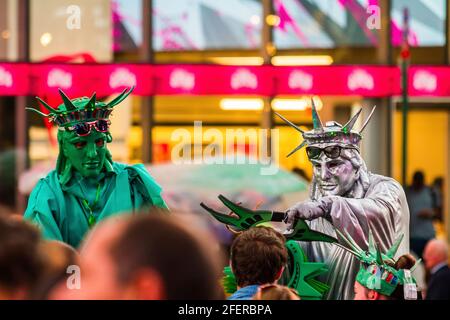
(80, 110)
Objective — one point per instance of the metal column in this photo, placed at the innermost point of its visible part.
(267, 50)
(147, 110)
(446, 207)
(21, 124)
(377, 142)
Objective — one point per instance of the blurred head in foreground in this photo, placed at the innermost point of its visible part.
(146, 257)
(60, 263)
(435, 253)
(275, 292)
(20, 261)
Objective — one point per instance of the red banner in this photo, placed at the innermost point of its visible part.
(429, 81)
(338, 80)
(213, 80)
(83, 79)
(79, 80)
(14, 79)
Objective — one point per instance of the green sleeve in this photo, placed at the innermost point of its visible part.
(42, 209)
(145, 189)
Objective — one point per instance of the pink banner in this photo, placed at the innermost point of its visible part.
(84, 79)
(338, 80)
(78, 80)
(429, 81)
(210, 80)
(14, 79)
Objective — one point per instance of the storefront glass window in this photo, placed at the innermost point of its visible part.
(324, 24)
(206, 24)
(426, 22)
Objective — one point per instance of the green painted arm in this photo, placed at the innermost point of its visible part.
(249, 218)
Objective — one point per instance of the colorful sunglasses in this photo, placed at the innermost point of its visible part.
(84, 129)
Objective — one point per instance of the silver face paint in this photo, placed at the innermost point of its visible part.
(335, 177)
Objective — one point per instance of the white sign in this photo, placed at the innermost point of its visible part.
(6, 79)
(182, 79)
(425, 81)
(300, 80)
(122, 77)
(59, 78)
(243, 78)
(360, 79)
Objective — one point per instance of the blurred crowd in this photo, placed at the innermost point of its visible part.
(426, 215)
(156, 256)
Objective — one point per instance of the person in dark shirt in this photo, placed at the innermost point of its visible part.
(421, 207)
(436, 262)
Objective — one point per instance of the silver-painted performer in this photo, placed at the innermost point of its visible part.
(346, 196)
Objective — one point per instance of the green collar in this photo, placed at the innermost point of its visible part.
(67, 181)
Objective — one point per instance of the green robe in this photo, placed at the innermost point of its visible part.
(58, 209)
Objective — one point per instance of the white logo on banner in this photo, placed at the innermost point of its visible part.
(425, 81)
(122, 77)
(360, 79)
(6, 79)
(59, 78)
(300, 80)
(182, 79)
(242, 78)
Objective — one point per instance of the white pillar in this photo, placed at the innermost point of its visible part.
(377, 136)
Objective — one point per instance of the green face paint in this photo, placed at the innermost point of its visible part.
(86, 154)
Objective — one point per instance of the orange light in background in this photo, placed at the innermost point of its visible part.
(237, 61)
(46, 38)
(242, 104)
(287, 104)
(273, 20)
(6, 34)
(319, 60)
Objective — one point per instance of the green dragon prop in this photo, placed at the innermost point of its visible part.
(302, 273)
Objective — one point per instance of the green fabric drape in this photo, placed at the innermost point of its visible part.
(59, 212)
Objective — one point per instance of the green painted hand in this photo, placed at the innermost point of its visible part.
(249, 218)
(246, 218)
(302, 232)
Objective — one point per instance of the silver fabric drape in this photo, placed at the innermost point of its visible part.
(382, 207)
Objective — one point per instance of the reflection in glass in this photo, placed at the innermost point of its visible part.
(426, 22)
(324, 23)
(206, 24)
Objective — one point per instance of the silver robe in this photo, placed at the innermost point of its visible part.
(380, 205)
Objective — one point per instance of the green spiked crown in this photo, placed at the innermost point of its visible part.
(80, 110)
(331, 133)
(377, 272)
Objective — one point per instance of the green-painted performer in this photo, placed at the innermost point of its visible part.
(87, 186)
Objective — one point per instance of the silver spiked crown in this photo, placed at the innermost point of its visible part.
(330, 133)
